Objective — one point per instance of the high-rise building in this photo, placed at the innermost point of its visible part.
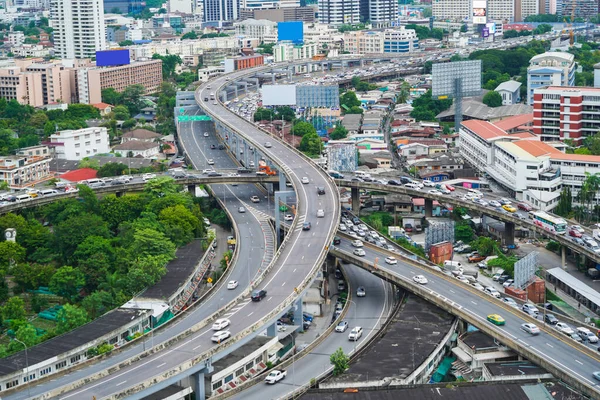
(78, 27)
(583, 8)
(338, 12)
(381, 13)
(457, 10)
(501, 10)
(218, 11)
(550, 69)
(124, 6)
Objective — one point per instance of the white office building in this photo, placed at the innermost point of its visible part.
(382, 12)
(218, 11)
(454, 10)
(255, 28)
(80, 143)
(338, 12)
(289, 51)
(78, 27)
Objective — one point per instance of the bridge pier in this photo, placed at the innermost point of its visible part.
(509, 233)
(298, 318)
(119, 194)
(563, 254)
(428, 208)
(198, 381)
(192, 189)
(273, 78)
(355, 193)
(272, 330)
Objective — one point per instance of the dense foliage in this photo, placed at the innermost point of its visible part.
(92, 254)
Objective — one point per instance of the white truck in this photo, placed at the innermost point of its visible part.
(275, 376)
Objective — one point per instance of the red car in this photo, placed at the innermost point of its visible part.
(524, 207)
(575, 233)
(450, 188)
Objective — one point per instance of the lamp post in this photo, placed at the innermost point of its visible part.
(26, 366)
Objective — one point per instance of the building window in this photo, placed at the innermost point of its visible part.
(45, 371)
(60, 365)
(75, 359)
(12, 384)
(239, 371)
(249, 366)
(217, 385)
(228, 378)
(29, 378)
(258, 360)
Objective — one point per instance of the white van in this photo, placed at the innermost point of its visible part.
(412, 185)
(48, 192)
(474, 192)
(23, 198)
(94, 182)
(586, 334)
(361, 174)
(453, 266)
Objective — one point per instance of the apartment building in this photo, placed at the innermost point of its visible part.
(338, 12)
(182, 48)
(387, 41)
(91, 81)
(454, 10)
(243, 62)
(219, 11)
(501, 10)
(290, 51)
(550, 69)
(21, 171)
(583, 8)
(282, 14)
(381, 13)
(525, 8)
(80, 143)
(253, 28)
(561, 113)
(79, 29)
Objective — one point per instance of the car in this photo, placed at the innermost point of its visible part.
(428, 183)
(550, 319)
(492, 292)
(241, 210)
(504, 201)
(475, 258)
(306, 226)
(207, 171)
(596, 375)
(587, 335)
(210, 161)
(509, 208)
(214, 173)
(434, 191)
(478, 286)
(357, 243)
(578, 241)
(212, 147)
(564, 328)
(450, 188)
(361, 292)
(507, 282)
(320, 190)
(218, 337)
(420, 279)
(530, 328)
(275, 376)
(355, 333)
(530, 309)
(341, 326)
(578, 229)
(575, 337)
(258, 294)
(221, 323)
(232, 285)
(391, 260)
(342, 228)
(288, 217)
(305, 180)
(205, 134)
(147, 177)
(268, 145)
(496, 319)
(495, 203)
(255, 199)
(320, 213)
(408, 228)
(510, 302)
(341, 285)
(359, 252)
(524, 207)
(445, 190)
(575, 233)
(337, 240)
(394, 182)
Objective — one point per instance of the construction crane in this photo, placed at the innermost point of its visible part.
(572, 31)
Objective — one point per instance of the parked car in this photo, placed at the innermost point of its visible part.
(550, 319)
(476, 258)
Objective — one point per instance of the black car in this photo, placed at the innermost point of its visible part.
(242, 170)
(212, 147)
(306, 226)
(214, 173)
(550, 319)
(393, 182)
(221, 147)
(320, 190)
(258, 295)
(337, 240)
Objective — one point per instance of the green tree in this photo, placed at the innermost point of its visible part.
(73, 231)
(31, 276)
(169, 64)
(116, 210)
(426, 13)
(404, 92)
(69, 318)
(485, 246)
(120, 113)
(349, 99)
(26, 334)
(126, 43)
(98, 303)
(266, 48)
(13, 309)
(355, 110)
(564, 207)
(264, 114)
(339, 133)
(340, 361)
(311, 144)
(179, 224)
(148, 242)
(492, 99)
(66, 282)
(302, 128)
(10, 253)
(146, 271)
(111, 96)
(593, 144)
(132, 98)
(8, 142)
(463, 232)
(189, 35)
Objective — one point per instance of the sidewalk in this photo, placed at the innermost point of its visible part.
(221, 240)
(320, 324)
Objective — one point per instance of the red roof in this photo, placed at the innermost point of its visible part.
(79, 174)
(483, 129)
(419, 202)
(515, 121)
(101, 106)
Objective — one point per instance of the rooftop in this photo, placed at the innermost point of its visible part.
(511, 86)
(178, 270)
(136, 145)
(484, 129)
(515, 121)
(141, 134)
(553, 54)
(78, 337)
(478, 340)
(79, 174)
(538, 149)
(509, 368)
(475, 109)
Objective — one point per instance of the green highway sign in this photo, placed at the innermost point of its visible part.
(185, 118)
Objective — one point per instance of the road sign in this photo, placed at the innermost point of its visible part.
(185, 118)
(209, 280)
(525, 270)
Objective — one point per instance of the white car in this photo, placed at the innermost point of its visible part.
(391, 260)
(305, 180)
(433, 191)
(221, 324)
(207, 171)
(355, 333)
(359, 252)
(320, 213)
(255, 199)
(357, 243)
(492, 292)
(564, 328)
(210, 161)
(341, 326)
(268, 145)
(495, 203)
(206, 133)
(232, 285)
(147, 177)
(218, 337)
(288, 217)
(428, 183)
(531, 328)
(342, 227)
(420, 279)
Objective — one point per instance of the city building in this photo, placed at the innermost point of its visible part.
(399, 40)
(20, 171)
(80, 143)
(561, 113)
(78, 27)
(318, 96)
(243, 62)
(454, 10)
(338, 12)
(268, 4)
(183, 48)
(525, 8)
(510, 92)
(583, 8)
(137, 148)
(282, 14)
(91, 81)
(15, 38)
(253, 28)
(501, 10)
(381, 13)
(218, 11)
(550, 69)
(181, 6)
(124, 6)
(287, 51)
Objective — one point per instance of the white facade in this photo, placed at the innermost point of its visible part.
(16, 38)
(502, 10)
(398, 40)
(338, 12)
(182, 6)
(383, 12)
(81, 143)
(456, 10)
(289, 51)
(255, 28)
(21, 171)
(78, 27)
(182, 47)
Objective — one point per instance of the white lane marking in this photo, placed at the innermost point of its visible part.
(269, 299)
(294, 270)
(548, 344)
(251, 313)
(119, 384)
(473, 302)
(578, 362)
(307, 245)
(283, 284)
(452, 291)
(158, 366)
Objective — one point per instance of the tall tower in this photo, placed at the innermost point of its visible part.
(78, 27)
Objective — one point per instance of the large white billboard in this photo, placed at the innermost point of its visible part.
(461, 76)
(278, 95)
(479, 11)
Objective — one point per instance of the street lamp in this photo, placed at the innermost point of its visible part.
(26, 367)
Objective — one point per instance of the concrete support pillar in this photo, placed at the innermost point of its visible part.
(362, 62)
(428, 208)
(355, 192)
(272, 330)
(298, 319)
(119, 194)
(235, 90)
(192, 189)
(273, 78)
(282, 180)
(199, 390)
(509, 233)
(563, 254)
(246, 154)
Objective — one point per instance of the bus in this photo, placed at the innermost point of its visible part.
(549, 222)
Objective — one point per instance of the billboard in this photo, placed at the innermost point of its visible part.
(479, 11)
(491, 28)
(278, 95)
(485, 32)
(110, 58)
(290, 31)
(462, 76)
